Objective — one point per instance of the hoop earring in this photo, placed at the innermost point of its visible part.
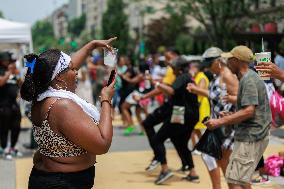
(60, 87)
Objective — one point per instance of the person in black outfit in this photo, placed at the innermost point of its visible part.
(158, 115)
(182, 115)
(179, 126)
(10, 110)
(4, 105)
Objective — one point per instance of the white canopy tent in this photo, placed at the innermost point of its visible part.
(15, 35)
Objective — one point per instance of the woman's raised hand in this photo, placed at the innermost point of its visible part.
(104, 43)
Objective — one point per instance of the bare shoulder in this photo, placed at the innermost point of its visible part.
(65, 103)
(66, 106)
(66, 113)
(228, 76)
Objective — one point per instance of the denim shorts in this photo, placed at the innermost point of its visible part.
(56, 180)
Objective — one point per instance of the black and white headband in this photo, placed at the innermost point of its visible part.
(63, 63)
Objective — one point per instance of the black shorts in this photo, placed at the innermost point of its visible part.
(56, 180)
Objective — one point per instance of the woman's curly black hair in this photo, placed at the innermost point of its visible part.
(38, 82)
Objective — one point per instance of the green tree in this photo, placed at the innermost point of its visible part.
(115, 23)
(77, 25)
(167, 32)
(221, 18)
(1, 14)
(184, 43)
(43, 37)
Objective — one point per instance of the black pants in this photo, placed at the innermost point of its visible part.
(179, 135)
(159, 116)
(152, 120)
(10, 120)
(48, 180)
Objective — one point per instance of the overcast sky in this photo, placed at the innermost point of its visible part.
(28, 11)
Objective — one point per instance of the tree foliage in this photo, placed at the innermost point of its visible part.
(221, 18)
(166, 31)
(77, 25)
(42, 34)
(1, 14)
(115, 23)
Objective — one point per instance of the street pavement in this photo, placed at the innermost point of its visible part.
(124, 165)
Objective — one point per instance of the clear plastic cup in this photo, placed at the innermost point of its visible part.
(110, 57)
(263, 57)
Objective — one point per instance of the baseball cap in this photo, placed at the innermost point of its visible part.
(241, 52)
(210, 55)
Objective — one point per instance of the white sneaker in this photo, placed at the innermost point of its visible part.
(196, 152)
(153, 165)
(8, 156)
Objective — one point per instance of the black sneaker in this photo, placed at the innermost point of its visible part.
(183, 169)
(194, 179)
(153, 165)
(163, 177)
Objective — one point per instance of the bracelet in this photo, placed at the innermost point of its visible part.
(157, 84)
(105, 101)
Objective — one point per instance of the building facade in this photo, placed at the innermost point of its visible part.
(76, 8)
(94, 16)
(59, 20)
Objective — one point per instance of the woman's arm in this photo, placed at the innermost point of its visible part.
(77, 126)
(80, 56)
(165, 88)
(192, 88)
(232, 83)
(138, 78)
(150, 94)
(202, 84)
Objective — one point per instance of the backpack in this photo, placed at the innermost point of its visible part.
(276, 103)
(273, 165)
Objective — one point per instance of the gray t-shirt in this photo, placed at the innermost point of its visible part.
(252, 91)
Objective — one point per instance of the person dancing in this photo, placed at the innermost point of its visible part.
(223, 75)
(69, 131)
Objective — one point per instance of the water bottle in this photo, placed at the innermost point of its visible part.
(147, 80)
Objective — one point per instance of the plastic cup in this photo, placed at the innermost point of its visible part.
(263, 57)
(110, 57)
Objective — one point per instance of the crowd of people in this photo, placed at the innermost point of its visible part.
(173, 98)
